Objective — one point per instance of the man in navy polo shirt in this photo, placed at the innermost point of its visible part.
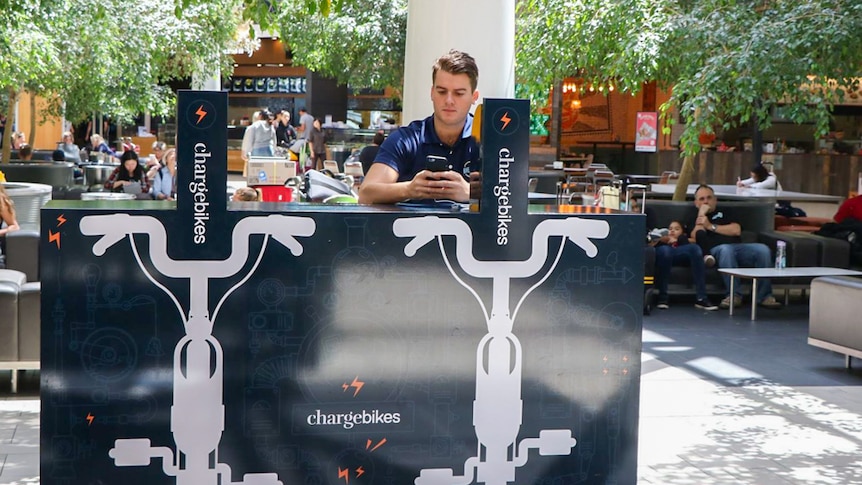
(399, 173)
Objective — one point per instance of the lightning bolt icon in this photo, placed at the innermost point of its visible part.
(201, 114)
(61, 220)
(357, 384)
(344, 474)
(90, 419)
(359, 472)
(54, 237)
(505, 119)
(378, 445)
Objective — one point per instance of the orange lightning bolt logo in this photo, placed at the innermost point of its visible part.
(54, 237)
(359, 472)
(60, 220)
(201, 114)
(506, 120)
(90, 418)
(344, 474)
(356, 383)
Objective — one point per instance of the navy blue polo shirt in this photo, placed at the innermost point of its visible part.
(405, 149)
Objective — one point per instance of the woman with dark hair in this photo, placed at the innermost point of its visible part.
(761, 178)
(318, 144)
(129, 177)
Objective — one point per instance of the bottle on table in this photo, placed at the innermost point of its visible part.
(780, 255)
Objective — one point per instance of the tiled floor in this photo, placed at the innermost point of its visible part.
(723, 401)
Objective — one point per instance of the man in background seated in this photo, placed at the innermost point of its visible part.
(721, 237)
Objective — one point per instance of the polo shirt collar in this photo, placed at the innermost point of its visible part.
(431, 133)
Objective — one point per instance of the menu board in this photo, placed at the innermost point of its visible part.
(265, 84)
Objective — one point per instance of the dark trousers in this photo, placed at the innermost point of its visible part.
(686, 255)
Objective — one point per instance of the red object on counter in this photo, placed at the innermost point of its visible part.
(275, 193)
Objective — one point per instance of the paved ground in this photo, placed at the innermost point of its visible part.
(723, 401)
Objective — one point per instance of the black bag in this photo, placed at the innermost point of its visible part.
(783, 208)
(849, 230)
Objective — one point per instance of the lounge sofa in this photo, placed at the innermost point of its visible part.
(757, 221)
(833, 321)
(20, 300)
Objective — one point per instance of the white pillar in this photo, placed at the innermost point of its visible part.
(207, 77)
(485, 29)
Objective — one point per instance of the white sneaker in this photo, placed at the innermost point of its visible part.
(709, 261)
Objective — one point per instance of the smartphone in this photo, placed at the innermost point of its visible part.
(434, 163)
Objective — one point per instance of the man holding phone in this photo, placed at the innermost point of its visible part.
(431, 158)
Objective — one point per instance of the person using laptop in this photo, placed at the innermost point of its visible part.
(129, 177)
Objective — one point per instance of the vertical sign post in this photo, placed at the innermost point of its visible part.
(505, 170)
(201, 170)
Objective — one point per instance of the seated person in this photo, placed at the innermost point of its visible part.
(369, 152)
(850, 209)
(70, 150)
(245, 194)
(25, 153)
(675, 249)
(721, 237)
(398, 172)
(761, 178)
(129, 177)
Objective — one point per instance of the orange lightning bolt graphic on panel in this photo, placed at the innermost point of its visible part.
(201, 114)
(60, 220)
(359, 472)
(54, 237)
(344, 474)
(505, 119)
(90, 418)
(357, 384)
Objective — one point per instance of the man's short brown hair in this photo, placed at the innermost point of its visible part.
(457, 62)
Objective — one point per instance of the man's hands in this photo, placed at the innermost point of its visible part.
(702, 221)
(447, 185)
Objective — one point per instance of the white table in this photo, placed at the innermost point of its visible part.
(772, 273)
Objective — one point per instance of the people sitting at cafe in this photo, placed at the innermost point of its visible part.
(129, 177)
(761, 178)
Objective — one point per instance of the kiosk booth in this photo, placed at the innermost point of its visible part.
(274, 343)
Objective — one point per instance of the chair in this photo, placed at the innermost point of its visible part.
(354, 169)
(331, 165)
(669, 177)
(532, 184)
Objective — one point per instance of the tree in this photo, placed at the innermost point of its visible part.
(727, 62)
(357, 42)
(110, 56)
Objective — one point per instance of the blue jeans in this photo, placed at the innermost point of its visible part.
(262, 152)
(685, 255)
(744, 255)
